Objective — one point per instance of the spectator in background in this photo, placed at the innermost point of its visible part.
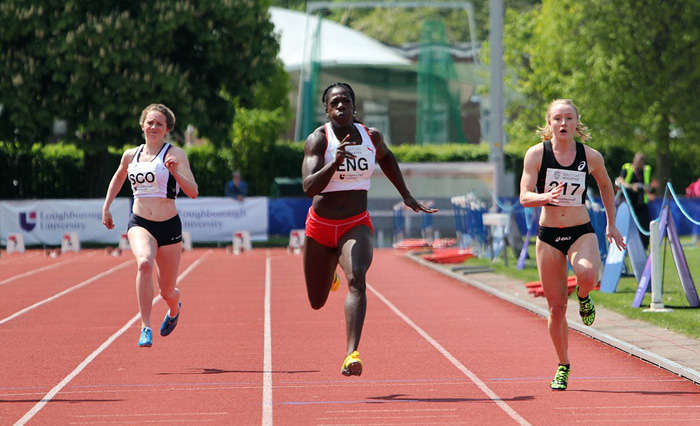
(693, 191)
(236, 188)
(636, 178)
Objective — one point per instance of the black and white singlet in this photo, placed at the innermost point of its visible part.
(574, 176)
(151, 179)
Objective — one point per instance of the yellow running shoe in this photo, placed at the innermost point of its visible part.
(352, 365)
(336, 282)
(561, 378)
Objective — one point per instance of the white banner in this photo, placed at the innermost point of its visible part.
(44, 222)
(208, 219)
(216, 218)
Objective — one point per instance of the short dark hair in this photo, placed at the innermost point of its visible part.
(345, 86)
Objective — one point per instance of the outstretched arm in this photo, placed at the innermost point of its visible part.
(596, 165)
(114, 186)
(391, 169)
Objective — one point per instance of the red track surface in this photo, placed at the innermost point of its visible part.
(436, 352)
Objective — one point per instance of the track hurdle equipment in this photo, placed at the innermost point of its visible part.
(186, 241)
(668, 227)
(426, 223)
(402, 224)
(296, 240)
(532, 219)
(657, 304)
(628, 225)
(15, 243)
(399, 223)
(70, 242)
(124, 242)
(241, 242)
(471, 233)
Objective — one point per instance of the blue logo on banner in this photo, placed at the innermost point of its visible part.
(27, 221)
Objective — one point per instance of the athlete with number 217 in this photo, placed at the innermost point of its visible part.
(555, 176)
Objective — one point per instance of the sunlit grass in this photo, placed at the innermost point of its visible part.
(683, 319)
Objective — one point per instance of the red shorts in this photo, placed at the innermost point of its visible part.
(329, 231)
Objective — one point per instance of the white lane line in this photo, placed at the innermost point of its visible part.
(64, 292)
(42, 269)
(49, 396)
(267, 357)
(473, 377)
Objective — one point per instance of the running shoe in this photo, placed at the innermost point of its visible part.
(146, 340)
(586, 309)
(352, 365)
(561, 378)
(169, 324)
(336, 282)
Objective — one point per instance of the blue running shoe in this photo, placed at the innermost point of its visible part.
(146, 339)
(169, 323)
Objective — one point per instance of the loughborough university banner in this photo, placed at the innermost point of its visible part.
(208, 219)
(216, 218)
(43, 222)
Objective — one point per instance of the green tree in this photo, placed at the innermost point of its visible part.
(96, 65)
(255, 132)
(630, 65)
(400, 26)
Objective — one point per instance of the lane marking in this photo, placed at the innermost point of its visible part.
(52, 393)
(267, 357)
(473, 377)
(159, 414)
(42, 269)
(64, 292)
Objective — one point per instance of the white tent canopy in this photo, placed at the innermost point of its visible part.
(339, 45)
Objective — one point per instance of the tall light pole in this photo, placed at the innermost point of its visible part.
(496, 136)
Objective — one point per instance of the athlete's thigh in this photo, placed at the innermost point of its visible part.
(553, 270)
(356, 251)
(584, 253)
(319, 265)
(142, 243)
(168, 263)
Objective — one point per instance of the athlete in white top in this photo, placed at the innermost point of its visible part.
(338, 163)
(154, 229)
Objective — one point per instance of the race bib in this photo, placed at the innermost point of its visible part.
(574, 185)
(360, 167)
(142, 177)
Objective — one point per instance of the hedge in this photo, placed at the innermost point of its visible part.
(56, 170)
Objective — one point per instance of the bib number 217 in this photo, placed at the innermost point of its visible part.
(553, 184)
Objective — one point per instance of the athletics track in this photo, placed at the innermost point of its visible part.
(250, 351)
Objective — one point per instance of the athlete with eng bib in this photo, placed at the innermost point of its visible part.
(558, 169)
(156, 171)
(339, 158)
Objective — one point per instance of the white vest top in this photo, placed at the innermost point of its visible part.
(151, 179)
(354, 173)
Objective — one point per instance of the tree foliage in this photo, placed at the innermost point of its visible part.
(630, 65)
(398, 26)
(96, 65)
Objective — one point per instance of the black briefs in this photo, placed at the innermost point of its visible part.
(563, 238)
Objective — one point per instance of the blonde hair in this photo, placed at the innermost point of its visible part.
(546, 131)
(169, 116)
